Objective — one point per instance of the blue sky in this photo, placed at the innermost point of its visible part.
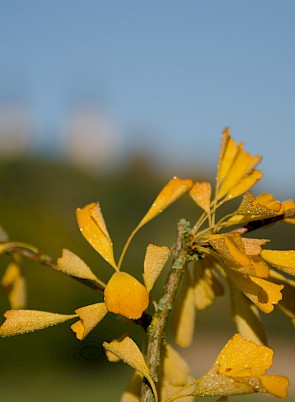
(177, 72)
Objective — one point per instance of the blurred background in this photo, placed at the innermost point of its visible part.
(107, 100)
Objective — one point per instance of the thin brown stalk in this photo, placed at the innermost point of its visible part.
(156, 329)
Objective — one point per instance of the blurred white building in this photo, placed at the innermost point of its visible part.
(15, 130)
(91, 141)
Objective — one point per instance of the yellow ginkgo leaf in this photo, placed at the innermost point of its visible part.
(262, 206)
(23, 321)
(288, 206)
(248, 181)
(128, 351)
(234, 164)
(284, 260)
(70, 264)
(264, 294)
(110, 356)
(14, 284)
(253, 208)
(133, 390)
(126, 296)
(201, 194)
(239, 369)
(237, 250)
(253, 246)
(244, 358)
(275, 385)
(246, 317)
(215, 384)
(259, 266)
(227, 153)
(242, 165)
(207, 285)
(169, 194)
(240, 254)
(93, 228)
(253, 251)
(232, 252)
(89, 316)
(268, 200)
(184, 317)
(155, 260)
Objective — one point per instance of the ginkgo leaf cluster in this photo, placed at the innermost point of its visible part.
(219, 254)
(123, 294)
(226, 254)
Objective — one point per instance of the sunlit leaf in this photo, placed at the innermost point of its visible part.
(169, 194)
(289, 205)
(93, 228)
(184, 317)
(89, 316)
(201, 194)
(70, 264)
(253, 208)
(233, 165)
(264, 294)
(233, 251)
(253, 246)
(268, 200)
(239, 369)
(126, 296)
(275, 385)
(246, 316)
(237, 250)
(243, 358)
(281, 259)
(23, 321)
(155, 260)
(207, 285)
(14, 284)
(216, 384)
(227, 153)
(242, 165)
(128, 351)
(248, 181)
(111, 357)
(259, 266)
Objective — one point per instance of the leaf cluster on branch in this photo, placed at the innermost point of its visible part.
(207, 255)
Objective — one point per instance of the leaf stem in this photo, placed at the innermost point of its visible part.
(33, 253)
(156, 329)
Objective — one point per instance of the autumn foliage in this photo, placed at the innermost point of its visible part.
(209, 257)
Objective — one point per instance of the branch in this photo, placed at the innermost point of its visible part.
(254, 225)
(35, 254)
(156, 335)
